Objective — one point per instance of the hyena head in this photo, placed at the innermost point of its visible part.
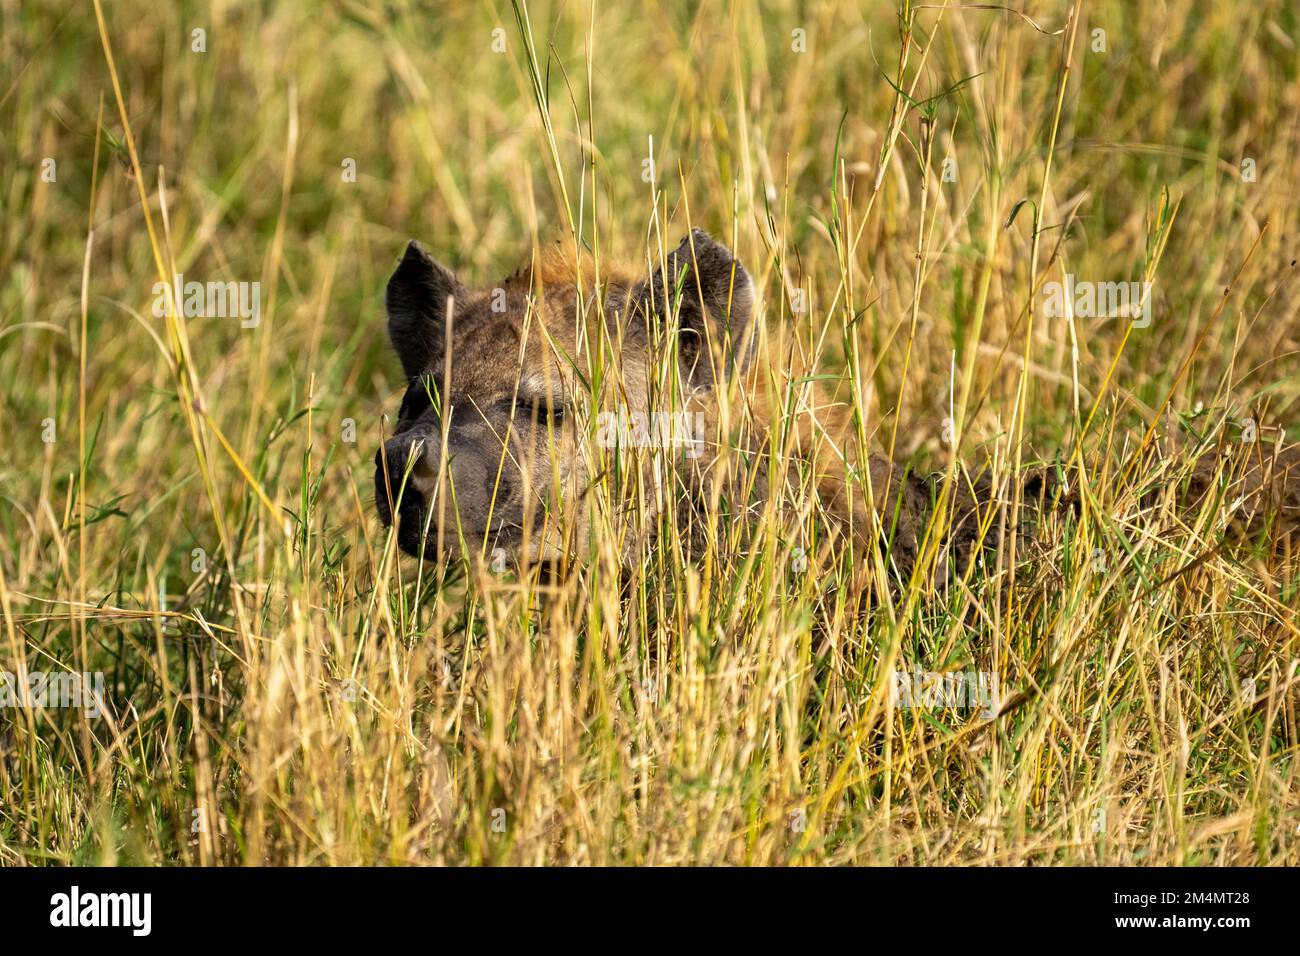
(488, 456)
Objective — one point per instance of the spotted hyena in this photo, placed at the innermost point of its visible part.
(488, 455)
(523, 353)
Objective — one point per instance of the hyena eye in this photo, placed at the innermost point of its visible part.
(541, 409)
(552, 411)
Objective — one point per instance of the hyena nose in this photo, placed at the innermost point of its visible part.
(411, 452)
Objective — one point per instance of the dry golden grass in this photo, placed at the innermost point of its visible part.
(284, 688)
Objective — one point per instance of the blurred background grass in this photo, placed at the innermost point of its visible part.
(248, 139)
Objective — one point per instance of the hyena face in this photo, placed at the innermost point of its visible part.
(487, 448)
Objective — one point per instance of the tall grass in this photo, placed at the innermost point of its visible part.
(283, 687)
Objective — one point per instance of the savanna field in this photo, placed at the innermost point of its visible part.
(187, 494)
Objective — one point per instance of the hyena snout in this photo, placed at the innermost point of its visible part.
(477, 494)
(406, 458)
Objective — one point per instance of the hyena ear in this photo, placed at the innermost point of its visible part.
(711, 294)
(417, 301)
